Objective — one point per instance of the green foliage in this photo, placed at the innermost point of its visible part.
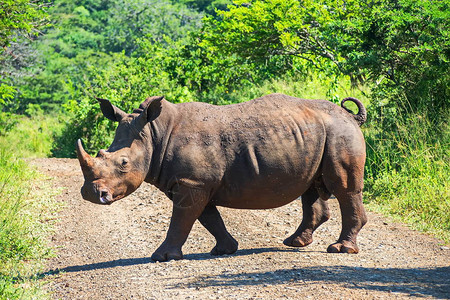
(7, 122)
(7, 92)
(24, 217)
(126, 82)
(157, 20)
(29, 136)
(275, 32)
(201, 75)
(20, 17)
(208, 6)
(119, 81)
(85, 34)
(402, 47)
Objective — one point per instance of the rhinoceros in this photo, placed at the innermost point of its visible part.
(260, 154)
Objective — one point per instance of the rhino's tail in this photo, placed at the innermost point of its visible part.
(361, 116)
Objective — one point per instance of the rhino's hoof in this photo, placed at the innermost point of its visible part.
(298, 241)
(167, 256)
(343, 247)
(228, 248)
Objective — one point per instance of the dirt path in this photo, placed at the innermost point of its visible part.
(103, 253)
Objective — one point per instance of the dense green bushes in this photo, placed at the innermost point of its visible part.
(83, 35)
(20, 21)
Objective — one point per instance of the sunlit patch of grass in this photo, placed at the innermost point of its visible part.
(407, 174)
(31, 137)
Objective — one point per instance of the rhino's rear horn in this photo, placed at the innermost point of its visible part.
(86, 161)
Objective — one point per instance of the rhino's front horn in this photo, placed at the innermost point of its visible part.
(86, 161)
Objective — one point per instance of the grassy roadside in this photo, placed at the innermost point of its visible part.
(26, 209)
(408, 174)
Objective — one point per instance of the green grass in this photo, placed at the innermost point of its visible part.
(407, 174)
(31, 137)
(26, 208)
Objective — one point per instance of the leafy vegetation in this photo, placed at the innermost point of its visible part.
(23, 220)
(20, 20)
(394, 55)
(84, 34)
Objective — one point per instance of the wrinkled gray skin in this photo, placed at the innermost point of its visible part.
(255, 155)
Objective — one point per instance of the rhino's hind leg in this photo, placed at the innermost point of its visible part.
(353, 219)
(345, 178)
(315, 212)
(212, 221)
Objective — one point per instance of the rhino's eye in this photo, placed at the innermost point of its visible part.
(123, 164)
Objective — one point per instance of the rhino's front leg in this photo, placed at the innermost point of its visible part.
(188, 204)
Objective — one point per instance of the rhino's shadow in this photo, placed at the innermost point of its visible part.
(244, 252)
(123, 262)
(414, 282)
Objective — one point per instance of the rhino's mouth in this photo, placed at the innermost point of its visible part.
(108, 198)
(105, 198)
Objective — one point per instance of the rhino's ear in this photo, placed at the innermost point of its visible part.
(151, 108)
(110, 111)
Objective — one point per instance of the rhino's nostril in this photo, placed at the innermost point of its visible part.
(104, 197)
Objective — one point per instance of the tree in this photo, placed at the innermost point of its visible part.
(131, 20)
(260, 30)
(403, 48)
(21, 17)
(402, 44)
(20, 21)
(86, 33)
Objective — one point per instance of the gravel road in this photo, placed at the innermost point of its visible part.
(103, 252)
